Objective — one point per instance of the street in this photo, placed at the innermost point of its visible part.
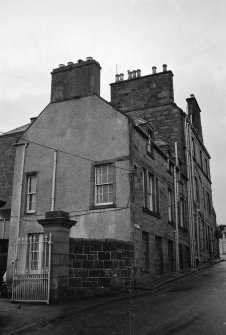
(192, 305)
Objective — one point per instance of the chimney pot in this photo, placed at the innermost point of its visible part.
(32, 119)
(121, 76)
(129, 74)
(134, 73)
(89, 58)
(192, 96)
(164, 67)
(138, 73)
(61, 65)
(116, 77)
(154, 68)
(70, 63)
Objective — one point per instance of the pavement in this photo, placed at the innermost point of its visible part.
(22, 318)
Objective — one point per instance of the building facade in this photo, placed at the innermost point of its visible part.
(7, 159)
(120, 175)
(222, 240)
(152, 98)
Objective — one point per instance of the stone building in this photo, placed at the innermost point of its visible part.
(222, 240)
(110, 181)
(7, 161)
(151, 97)
(202, 214)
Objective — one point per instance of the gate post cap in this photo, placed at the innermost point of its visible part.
(56, 214)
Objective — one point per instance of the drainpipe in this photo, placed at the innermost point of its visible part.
(176, 210)
(3, 233)
(54, 181)
(198, 233)
(20, 189)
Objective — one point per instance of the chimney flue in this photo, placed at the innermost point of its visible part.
(164, 67)
(134, 74)
(121, 76)
(32, 119)
(129, 74)
(154, 68)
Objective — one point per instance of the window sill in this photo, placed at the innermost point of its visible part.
(147, 210)
(30, 213)
(93, 207)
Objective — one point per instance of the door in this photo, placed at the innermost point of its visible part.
(145, 250)
(159, 255)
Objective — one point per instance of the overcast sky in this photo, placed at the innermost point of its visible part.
(188, 35)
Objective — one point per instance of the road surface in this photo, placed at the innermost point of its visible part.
(193, 305)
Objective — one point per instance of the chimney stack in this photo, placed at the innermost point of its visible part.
(116, 78)
(121, 76)
(75, 80)
(134, 74)
(194, 113)
(138, 73)
(129, 74)
(164, 67)
(154, 68)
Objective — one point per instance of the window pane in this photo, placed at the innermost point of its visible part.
(99, 194)
(31, 193)
(104, 178)
(32, 184)
(151, 207)
(98, 174)
(104, 184)
(105, 193)
(104, 169)
(31, 202)
(110, 173)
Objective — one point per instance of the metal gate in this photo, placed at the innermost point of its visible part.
(31, 270)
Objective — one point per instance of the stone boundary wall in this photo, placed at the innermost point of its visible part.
(99, 266)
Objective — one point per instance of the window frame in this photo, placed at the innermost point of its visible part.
(145, 257)
(182, 213)
(35, 256)
(170, 206)
(197, 191)
(193, 148)
(31, 194)
(93, 200)
(151, 197)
